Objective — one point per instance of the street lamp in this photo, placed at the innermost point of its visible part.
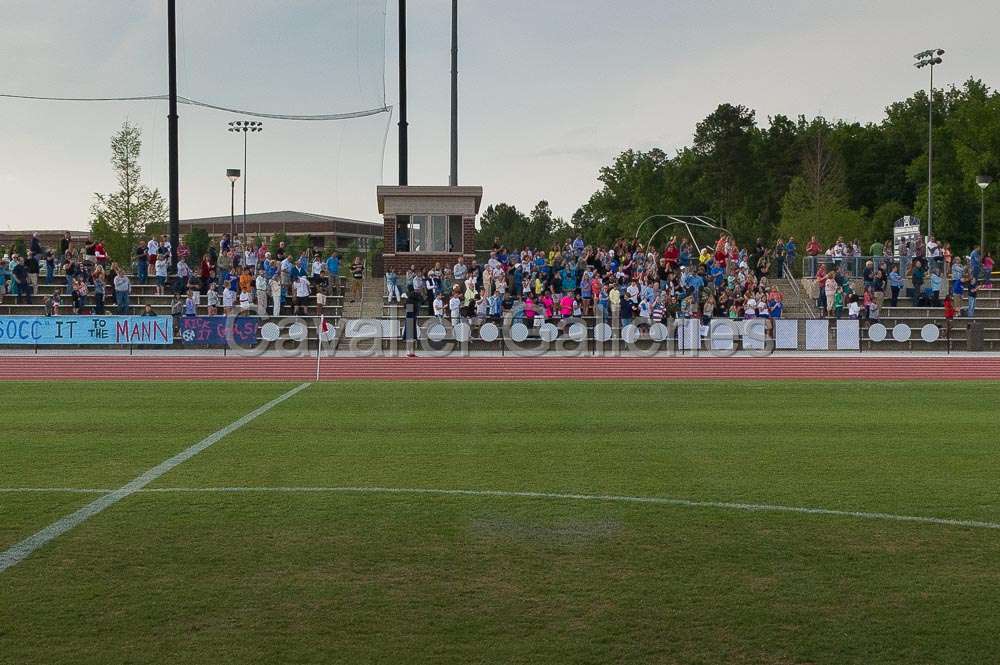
(983, 181)
(929, 58)
(233, 175)
(246, 127)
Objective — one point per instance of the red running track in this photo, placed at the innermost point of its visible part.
(500, 368)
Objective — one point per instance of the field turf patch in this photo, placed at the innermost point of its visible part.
(349, 577)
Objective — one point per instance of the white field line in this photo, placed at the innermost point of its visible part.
(611, 498)
(53, 490)
(22, 550)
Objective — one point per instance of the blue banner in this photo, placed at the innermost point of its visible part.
(212, 330)
(90, 330)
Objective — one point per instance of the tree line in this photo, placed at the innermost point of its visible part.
(798, 177)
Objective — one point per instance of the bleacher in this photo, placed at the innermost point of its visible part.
(145, 294)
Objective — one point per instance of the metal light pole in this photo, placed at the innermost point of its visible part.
(453, 178)
(172, 140)
(404, 150)
(246, 127)
(233, 175)
(983, 181)
(929, 58)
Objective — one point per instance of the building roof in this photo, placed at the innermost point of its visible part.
(430, 191)
(279, 217)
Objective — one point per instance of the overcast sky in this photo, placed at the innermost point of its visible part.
(550, 90)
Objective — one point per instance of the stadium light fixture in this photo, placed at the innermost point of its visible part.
(930, 58)
(245, 127)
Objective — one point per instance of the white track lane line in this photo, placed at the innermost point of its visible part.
(22, 550)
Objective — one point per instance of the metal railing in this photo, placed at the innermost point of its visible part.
(854, 266)
(806, 302)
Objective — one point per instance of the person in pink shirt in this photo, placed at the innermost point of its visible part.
(566, 305)
(548, 303)
(529, 310)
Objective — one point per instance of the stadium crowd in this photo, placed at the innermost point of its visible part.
(227, 278)
(937, 277)
(623, 281)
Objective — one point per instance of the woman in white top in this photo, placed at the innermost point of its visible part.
(161, 273)
(260, 284)
(213, 301)
(275, 286)
(250, 258)
(228, 299)
(301, 294)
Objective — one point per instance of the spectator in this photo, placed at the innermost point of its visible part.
(50, 266)
(21, 281)
(35, 247)
(917, 272)
(33, 268)
(228, 299)
(161, 272)
(122, 290)
(971, 284)
(277, 293)
(975, 261)
(99, 294)
(100, 254)
(357, 276)
(301, 295)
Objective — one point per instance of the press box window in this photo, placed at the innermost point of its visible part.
(429, 233)
(402, 233)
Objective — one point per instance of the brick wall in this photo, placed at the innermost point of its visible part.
(469, 237)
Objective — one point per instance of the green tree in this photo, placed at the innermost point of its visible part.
(725, 141)
(197, 241)
(120, 217)
(504, 224)
(816, 201)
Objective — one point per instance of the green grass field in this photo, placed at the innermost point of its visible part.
(311, 575)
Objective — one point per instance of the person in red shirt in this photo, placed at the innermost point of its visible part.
(813, 248)
(671, 254)
(949, 308)
(100, 254)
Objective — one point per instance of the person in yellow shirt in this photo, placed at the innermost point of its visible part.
(615, 301)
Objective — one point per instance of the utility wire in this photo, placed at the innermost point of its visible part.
(194, 102)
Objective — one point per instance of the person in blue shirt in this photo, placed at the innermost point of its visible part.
(568, 275)
(333, 265)
(695, 283)
(5, 276)
(790, 249)
(895, 283)
(718, 273)
(933, 288)
(975, 261)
